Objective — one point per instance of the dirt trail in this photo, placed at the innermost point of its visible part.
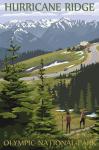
(78, 131)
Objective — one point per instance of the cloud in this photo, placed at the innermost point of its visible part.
(27, 14)
(2, 7)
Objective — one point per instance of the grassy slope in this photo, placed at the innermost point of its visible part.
(97, 48)
(73, 58)
(51, 57)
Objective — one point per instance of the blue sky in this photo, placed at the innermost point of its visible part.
(8, 16)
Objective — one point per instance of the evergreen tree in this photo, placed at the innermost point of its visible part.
(90, 74)
(76, 108)
(61, 97)
(68, 49)
(44, 122)
(96, 127)
(81, 67)
(89, 105)
(81, 100)
(15, 102)
(95, 103)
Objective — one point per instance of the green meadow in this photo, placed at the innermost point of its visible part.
(72, 58)
(97, 48)
(61, 55)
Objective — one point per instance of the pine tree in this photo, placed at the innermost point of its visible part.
(95, 103)
(96, 127)
(81, 67)
(62, 94)
(81, 100)
(15, 104)
(44, 122)
(76, 108)
(89, 105)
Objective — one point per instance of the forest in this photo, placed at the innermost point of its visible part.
(82, 92)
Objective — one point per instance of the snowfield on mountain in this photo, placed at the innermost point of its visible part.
(47, 34)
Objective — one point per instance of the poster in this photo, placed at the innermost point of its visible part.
(49, 74)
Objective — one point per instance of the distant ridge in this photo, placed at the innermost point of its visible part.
(47, 35)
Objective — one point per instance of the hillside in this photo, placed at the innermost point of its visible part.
(56, 61)
(98, 48)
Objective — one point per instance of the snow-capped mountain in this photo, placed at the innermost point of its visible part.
(47, 34)
(65, 33)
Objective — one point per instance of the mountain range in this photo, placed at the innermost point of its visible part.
(46, 34)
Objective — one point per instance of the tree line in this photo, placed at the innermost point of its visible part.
(82, 92)
(23, 56)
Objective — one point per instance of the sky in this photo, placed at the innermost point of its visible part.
(9, 16)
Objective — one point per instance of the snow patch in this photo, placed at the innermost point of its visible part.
(71, 66)
(60, 110)
(62, 25)
(84, 43)
(65, 52)
(71, 110)
(55, 64)
(20, 30)
(93, 115)
(14, 21)
(79, 52)
(30, 69)
(81, 58)
(67, 21)
(46, 23)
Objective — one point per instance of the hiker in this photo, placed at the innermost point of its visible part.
(68, 120)
(82, 119)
